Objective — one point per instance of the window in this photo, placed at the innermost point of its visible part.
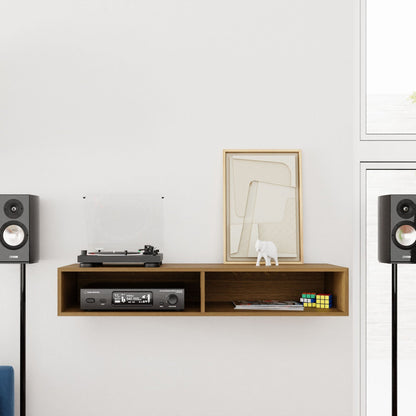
(381, 179)
(389, 70)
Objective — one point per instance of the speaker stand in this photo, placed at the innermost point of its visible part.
(22, 339)
(394, 340)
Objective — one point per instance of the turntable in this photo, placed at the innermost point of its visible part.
(147, 257)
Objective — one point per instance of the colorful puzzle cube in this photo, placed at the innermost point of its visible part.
(324, 300)
(308, 300)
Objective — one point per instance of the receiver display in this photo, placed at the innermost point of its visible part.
(132, 298)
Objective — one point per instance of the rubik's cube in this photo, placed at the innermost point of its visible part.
(308, 300)
(324, 300)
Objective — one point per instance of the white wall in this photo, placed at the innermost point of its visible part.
(118, 96)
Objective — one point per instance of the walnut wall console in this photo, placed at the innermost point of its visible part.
(210, 288)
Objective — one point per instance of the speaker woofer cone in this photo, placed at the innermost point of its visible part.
(13, 235)
(404, 235)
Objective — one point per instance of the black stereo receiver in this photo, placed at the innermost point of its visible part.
(132, 299)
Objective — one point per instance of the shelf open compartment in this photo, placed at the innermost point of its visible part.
(71, 282)
(222, 288)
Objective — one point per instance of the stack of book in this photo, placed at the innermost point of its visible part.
(268, 305)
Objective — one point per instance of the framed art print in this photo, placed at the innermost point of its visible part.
(262, 201)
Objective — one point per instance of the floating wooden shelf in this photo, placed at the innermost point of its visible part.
(210, 288)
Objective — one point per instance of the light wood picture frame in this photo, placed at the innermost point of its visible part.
(262, 200)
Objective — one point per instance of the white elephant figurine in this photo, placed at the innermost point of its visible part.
(267, 250)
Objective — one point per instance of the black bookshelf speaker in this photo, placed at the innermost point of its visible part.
(397, 228)
(19, 228)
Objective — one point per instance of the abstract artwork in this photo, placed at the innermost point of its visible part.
(262, 201)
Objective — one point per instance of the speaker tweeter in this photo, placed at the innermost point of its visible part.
(406, 208)
(13, 208)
